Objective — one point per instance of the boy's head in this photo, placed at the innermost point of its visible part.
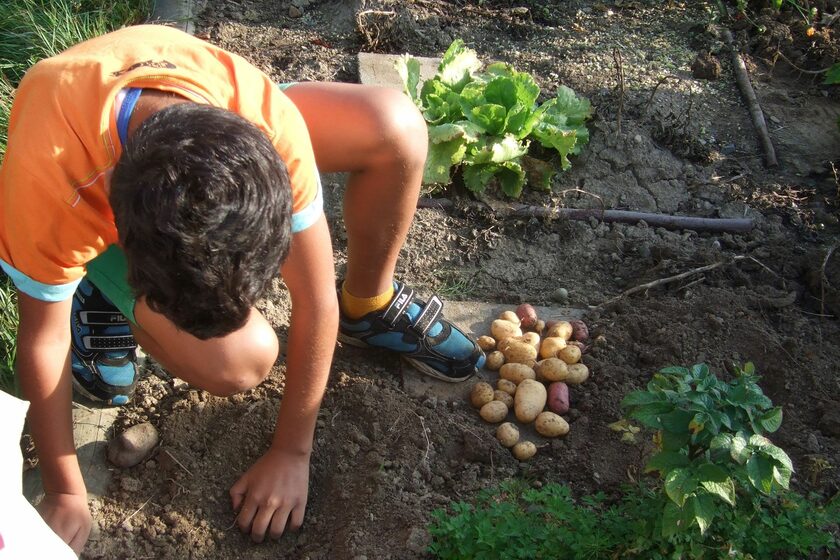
(202, 204)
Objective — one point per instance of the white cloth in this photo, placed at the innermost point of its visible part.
(23, 534)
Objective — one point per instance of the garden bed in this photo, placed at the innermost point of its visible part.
(386, 456)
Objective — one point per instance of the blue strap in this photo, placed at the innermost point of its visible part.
(131, 97)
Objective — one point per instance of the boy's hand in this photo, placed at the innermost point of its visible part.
(272, 494)
(68, 515)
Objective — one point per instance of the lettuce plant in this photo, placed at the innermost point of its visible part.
(485, 121)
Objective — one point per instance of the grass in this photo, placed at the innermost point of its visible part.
(31, 30)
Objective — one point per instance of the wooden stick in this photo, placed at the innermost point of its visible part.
(732, 225)
(748, 93)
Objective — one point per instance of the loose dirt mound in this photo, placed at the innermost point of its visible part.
(385, 459)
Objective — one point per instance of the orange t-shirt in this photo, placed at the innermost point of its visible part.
(63, 144)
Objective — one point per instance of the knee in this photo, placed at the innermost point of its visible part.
(244, 371)
(401, 126)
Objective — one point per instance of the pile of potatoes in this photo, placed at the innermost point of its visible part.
(537, 362)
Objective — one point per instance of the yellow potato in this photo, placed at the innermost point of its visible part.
(507, 434)
(507, 398)
(507, 386)
(494, 360)
(549, 424)
(551, 370)
(539, 327)
(481, 394)
(570, 354)
(550, 346)
(529, 400)
(578, 373)
(524, 450)
(503, 330)
(531, 338)
(518, 351)
(511, 317)
(561, 329)
(494, 412)
(486, 343)
(517, 373)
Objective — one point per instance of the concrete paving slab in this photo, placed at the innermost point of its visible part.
(90, 431)
(378, 69)
(177, 13)
(475, 318)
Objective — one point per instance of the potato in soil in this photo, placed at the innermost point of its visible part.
(517, 372)
(558, 397)
(570, 354)
(503, 330)
(507, 386)
(550, 346)
(549, 424)
(529, 400)
(578, 373)
(524, 450)
(560, 329)
(481, 394)
(518, 351)
(486, 343)
(511, 317)
(552, 369)
(494, 361)
(507, 434)
(494, 412)
(499, 395)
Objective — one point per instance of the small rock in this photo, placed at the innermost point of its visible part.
(728, 149)
(295, 12)
(775, 120)
(637, 138)
(830, 422)
(705, 67)
(133, 446)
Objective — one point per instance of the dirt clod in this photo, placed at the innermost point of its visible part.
(133, 445)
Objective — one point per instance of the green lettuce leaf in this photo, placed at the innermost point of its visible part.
(442, 156)
(458, 65)
(408, 68)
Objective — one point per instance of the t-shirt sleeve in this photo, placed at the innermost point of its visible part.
(284, 124)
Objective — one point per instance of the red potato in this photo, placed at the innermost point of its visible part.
(579, 330)
(527, 316)
(558, 397)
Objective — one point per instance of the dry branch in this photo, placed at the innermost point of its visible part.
(734, 225)
(747, 91)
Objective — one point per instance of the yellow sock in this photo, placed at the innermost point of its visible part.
(356, 307)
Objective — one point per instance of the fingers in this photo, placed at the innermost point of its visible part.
(268, 518)
(278, 523)
(237, 493)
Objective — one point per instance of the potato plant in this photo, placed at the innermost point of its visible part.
(537, 363)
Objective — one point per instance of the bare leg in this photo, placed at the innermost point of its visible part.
(379, 136)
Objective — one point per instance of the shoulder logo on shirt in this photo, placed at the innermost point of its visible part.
(147, 63)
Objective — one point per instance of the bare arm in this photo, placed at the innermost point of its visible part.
(43, 371)
(273, 493)
(310, 277)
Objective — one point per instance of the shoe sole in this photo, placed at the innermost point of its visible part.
(79, 388)
(416, 364)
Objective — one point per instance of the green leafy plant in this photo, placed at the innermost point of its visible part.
(711, 441)
(484, 122)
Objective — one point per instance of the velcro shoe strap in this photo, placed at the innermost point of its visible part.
(102, 318)
(126, 342)
(399, 304)
(428, 316)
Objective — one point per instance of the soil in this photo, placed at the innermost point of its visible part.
(666, 142)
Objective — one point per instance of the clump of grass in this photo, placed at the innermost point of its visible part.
(34, 29)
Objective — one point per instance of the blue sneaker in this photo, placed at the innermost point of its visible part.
(104, 357)
(416, 330)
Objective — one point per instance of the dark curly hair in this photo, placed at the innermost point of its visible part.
(202, 204)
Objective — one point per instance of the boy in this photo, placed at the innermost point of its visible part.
(158, 173)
